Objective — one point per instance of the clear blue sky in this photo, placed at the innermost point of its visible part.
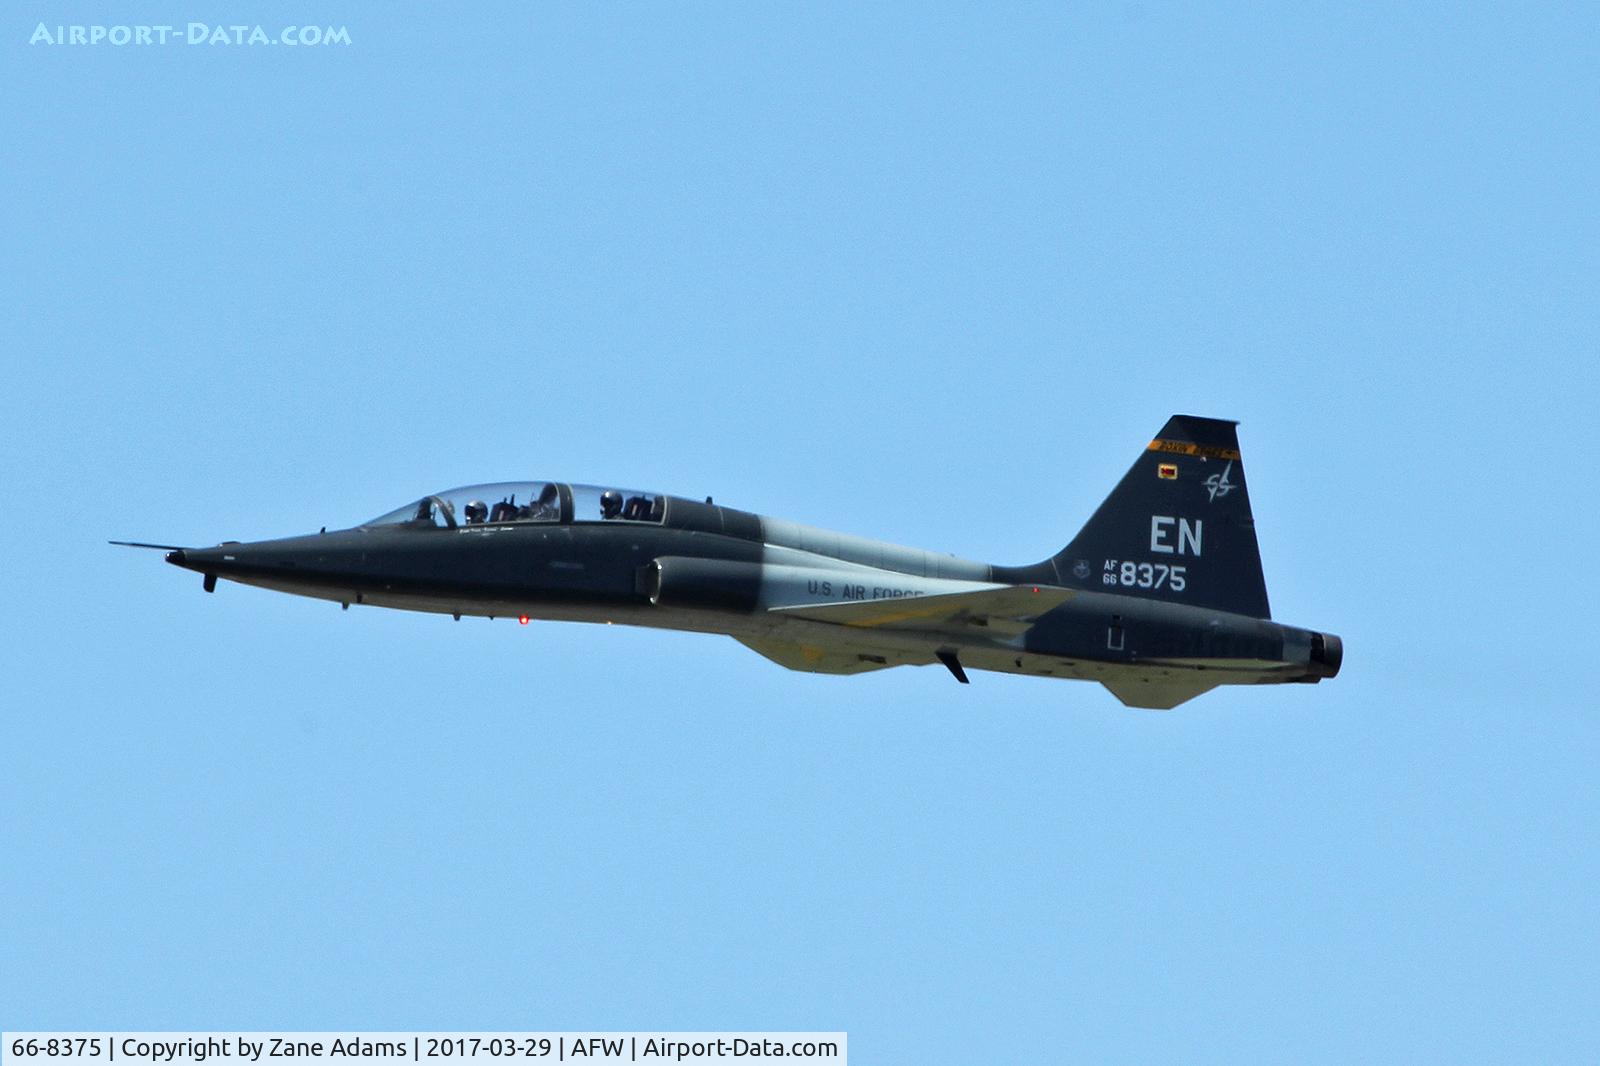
(930, 275)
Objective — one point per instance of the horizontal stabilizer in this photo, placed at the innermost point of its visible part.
(1157, 694)
(1006, 610)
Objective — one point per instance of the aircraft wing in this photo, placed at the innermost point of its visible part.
(811, 659)
(1005, 610)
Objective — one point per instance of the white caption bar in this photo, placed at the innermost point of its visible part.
(415, 1049)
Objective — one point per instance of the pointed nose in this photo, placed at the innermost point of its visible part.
(200, 560)
(314, 559)
(223, 559)
(207, 561)
(203, 560)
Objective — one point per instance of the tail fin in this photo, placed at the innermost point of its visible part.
(1178, 526)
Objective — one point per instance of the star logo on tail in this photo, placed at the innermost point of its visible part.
(1218, 484)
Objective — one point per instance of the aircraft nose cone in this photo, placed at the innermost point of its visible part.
(203, 560)
(318, 558)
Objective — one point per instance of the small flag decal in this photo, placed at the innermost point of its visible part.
(1167, 471)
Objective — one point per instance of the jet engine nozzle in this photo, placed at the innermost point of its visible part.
(1327, 655)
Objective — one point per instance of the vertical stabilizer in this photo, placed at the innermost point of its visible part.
(1177, 527)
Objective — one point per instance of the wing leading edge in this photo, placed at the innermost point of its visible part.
(1004, 610)
(1001, 611)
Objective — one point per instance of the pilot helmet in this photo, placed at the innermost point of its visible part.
(610, 503)
(477, 511)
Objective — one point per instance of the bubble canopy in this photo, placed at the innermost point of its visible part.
(510, 502)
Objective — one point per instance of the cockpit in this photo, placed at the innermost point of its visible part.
(519, 502)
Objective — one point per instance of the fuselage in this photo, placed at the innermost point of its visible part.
(676, 563)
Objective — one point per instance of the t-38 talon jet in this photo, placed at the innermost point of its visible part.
(1159, 598)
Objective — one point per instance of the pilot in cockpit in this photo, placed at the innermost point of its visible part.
(610, 503)
(477, 512)
(547, 508)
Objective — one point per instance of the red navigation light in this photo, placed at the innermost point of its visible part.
(522, 619)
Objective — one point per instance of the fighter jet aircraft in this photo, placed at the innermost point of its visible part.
(1160, 598)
